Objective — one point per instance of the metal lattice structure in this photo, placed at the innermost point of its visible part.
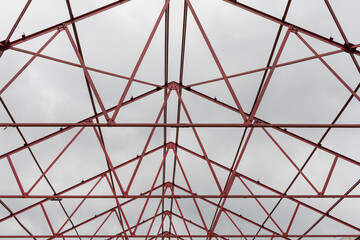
(179, 119)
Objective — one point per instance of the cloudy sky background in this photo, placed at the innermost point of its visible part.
(307, 92)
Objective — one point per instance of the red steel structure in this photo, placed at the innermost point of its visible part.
(210, 161)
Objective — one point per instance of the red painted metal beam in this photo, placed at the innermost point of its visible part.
(185, 125)
(326, 236)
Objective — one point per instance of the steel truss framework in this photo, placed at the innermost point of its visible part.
(178, 203)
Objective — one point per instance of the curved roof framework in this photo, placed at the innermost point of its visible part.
(179, 119)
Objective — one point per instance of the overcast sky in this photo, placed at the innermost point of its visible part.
(308, 92)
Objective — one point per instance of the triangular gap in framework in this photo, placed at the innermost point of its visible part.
(344, 66)
(142, 110)
(305, 219)
(66, 170)
(308, 177)
(215, 58)
(194, 227)
(27, 172)
(199, 141)
(232, 39)
(339, 62)
(264, 205)
(11, 63)
(318, 203)
(90, 209)
(139, 61)
(10, 138)
(126, 168)
(151, 226)
(352, 112)
(193, 205)
(319, 169)
(349, 204)
(296, 149)
(207, 207)
(285, 213)
(246, 88)
(167, 220)
(8, 19)
(341, 140)
(122, 40)
(151, 69)
(222, 145)
(17, 60)
(200, 99)
(3, 210)
(302, 52)
(346, 18)
(180, 210)
(7, 176)
(141, 209)
(197, 55)
(41, 15)
(11, 226)
(47, 90)
(106, 224)
(74, 206)
(276, 170)
(293, 51)
(202, 182)
(27, 219)
(144, 172)
(152, 140)
(248, 207)
(309, 84)
(230, 224)
(247, 225)
(62, 49)
(188, 139)
(343, 178)
(126, 157)
(321, 21)
(55, 213)
(149, 204)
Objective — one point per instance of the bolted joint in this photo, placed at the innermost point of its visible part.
(349, 48)
(293, 29)
(168, 184)
(88, 122)
(248, 122)
(257, 121)
(170, 145)
(4, 46)
(173, 86)
(110, 122)
(62, 27)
